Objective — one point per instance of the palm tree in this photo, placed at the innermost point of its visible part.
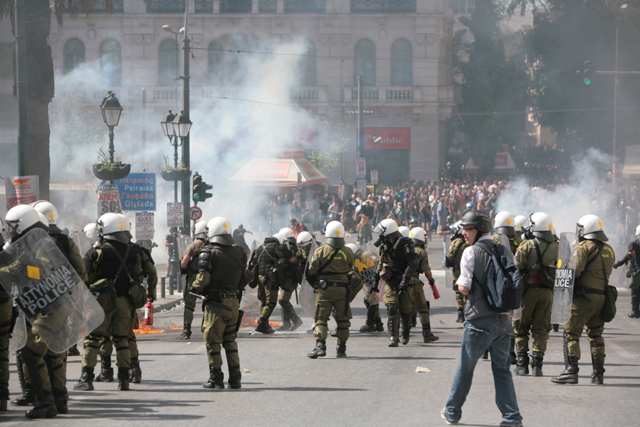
(40, 84)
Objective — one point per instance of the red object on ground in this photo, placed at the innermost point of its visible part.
(148, 314)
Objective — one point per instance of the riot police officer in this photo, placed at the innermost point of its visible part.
(504, 225)
(221, 280)
(190, 264)
(7, 318)
(421, 306)
(521, 223)
(533, 258)
(113, 268)
(330, 272)
(594, 263)
(454, 255)
(398, 263)
(290, 320)
(632, 259)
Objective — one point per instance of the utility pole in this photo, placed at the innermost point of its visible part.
(21, 89)
(360, 118)
(186, 190)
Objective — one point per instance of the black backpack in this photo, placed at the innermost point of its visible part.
(503, 284)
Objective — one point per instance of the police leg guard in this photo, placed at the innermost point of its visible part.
(597, 376)
(106, 371)
(27, 398)
(263, 326)
(341, 349)
(296, 322)
(320, 349)
(60, 398)
(369, 323)
(286, 322)
(86, 379)
(555, 327)
(512, 350)
(44, 407)
(392, 313)
(522, 367)
(570, 374)
(4, 396)
(135, 373)
(427, 335)
(186, 333)
(216, 379)
(406, 328)
(235, 377)
(73, 350)
(536, 365)
(123, 379)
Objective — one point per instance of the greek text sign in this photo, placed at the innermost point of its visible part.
(175, 214)
(138, 192)
(144, 225)
(108, 199)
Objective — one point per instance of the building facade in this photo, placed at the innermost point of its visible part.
(402, 48)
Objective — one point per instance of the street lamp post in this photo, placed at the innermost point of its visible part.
(169, 132)
(111, 110)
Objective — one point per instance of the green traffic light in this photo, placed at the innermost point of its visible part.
(196, 197)
(587, 81)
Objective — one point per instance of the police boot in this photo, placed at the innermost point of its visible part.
(536, 365)
(570, 373)
(263, 326)
(286, 322)
(235, 377)
(393, 325)
(369, 323)
(378, 326)
(296, 322)
(123, 379)
(60, 398)
(27, 398)
(598, 371)
(73, 350)
(135, 373)
(216, 379)
(86, 379)
(341, 349)
(460, 318)
(44, 407)
(414, 320)
(555, 327)
(427, 335)
(106, 371)
(186, 333)
(522, 368)
(320, 350)
(4, 396)
(406, 328)
(512, 351)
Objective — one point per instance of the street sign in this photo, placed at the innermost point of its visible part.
(362, 187)
(144, 225)
(175, 214)
(138, 192)
(361, 167)
(374, 177)
(108, 199)
(195, 213)
(21, 190)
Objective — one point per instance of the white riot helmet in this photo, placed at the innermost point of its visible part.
(387, 228)
(90, 231)
(419, 235)
(200, 229)
(288, 234)
(404, 231)
(304, 238)
(43, 220)
(590, 228)
(112, 227)
(127, 225)
(334, 234)
(219, 231)
(280, 237)
(504, 223)
(541, 226)
(353, 247)
(521, 223)
(638, 231)
(19, 219)
(48, 210)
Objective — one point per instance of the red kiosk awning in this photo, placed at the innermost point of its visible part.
(281, 170)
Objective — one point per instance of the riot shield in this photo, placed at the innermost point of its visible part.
(81, 242)
(565, 275)
(367, 263)
(183, 243)
(19, 336)
(54, 300)
(307, 297)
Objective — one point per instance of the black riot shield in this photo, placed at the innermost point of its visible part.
(565, 275)
(46, 288)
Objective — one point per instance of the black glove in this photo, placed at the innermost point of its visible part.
(151, 299)
(617, 264)
(403, 285)
(431, 281)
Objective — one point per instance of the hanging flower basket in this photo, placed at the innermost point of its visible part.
(111, 172)
(176, 174)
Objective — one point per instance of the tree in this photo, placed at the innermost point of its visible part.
(329, 156)
(494, 87)
(40, 84)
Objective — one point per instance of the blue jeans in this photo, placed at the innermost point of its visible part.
(493, 333)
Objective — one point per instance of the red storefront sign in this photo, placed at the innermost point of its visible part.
(266, 169)
(391, 138)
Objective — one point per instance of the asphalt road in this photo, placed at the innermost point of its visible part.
(374, 386)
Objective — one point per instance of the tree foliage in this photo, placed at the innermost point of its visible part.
(329, 154)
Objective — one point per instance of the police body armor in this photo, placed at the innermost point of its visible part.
(110, 264)
(400, 259)
(227, 275)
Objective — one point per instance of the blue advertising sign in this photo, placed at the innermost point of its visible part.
(138, 192)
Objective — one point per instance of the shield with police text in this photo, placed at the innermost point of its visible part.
(53, 298)
(565, 275)
(307, 294)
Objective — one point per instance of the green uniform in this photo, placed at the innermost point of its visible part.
(586, 310)
(398, 255)
(192, 271)
(454, 255)
(537, 299)
(421, 304)
(271, 274)
(337, 275)
(514, 241)
(292, 277)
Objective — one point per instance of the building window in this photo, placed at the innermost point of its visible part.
(204, 6)
(383, 6)
(309, 65)
(73, 55)
(401, 63)
(245, 52)
(236, 6)
(167, 62)
(111, 63)
(215, 64)
(305, 6)
(101, 7)
(165, 6)
(267, 6)
(365, 62)
(464, 6)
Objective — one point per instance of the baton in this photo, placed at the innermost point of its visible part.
(297, 302)
(211, 301)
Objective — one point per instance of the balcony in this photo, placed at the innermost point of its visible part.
(169, 6)
(205, 6)
(299, 95)
(268, 6)
(383, 6)
(305, 6)
(101, 7)
(390, 94)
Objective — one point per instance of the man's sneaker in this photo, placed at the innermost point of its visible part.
(445, 419)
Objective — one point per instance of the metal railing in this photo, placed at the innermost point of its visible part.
(304, 95)
(305, 6)
(101, 7)
(204, 6)
(236, 6)
(268, 6)
(165, 6)
(399, 95)
(383, 6)
(392, 94)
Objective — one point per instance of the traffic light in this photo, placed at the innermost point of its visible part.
(200, 189)
(587, 73)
